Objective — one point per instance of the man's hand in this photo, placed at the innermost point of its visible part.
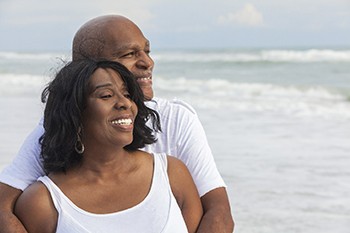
(217, 216)
(9, 223)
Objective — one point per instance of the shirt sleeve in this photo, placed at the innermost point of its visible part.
(193, 149)
(26, 167)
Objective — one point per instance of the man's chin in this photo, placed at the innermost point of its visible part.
(148, 93)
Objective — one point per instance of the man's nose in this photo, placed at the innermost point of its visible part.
(145, 61)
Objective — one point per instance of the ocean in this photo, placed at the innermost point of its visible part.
(277, 120)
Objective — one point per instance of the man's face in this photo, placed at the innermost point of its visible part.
(126, 44)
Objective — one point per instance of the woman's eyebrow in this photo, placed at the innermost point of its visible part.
(101, 86)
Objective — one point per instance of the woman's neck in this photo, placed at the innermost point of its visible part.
(107, 161)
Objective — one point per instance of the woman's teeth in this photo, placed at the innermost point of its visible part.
(122, 122)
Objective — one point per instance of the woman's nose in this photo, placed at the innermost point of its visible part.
(123, 103)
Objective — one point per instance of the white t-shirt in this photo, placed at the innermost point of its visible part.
(182, 136)
(157, 213)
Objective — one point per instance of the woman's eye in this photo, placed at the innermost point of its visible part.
(127, 95)
(106, 96)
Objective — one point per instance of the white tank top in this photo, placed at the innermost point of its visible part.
(157, 213)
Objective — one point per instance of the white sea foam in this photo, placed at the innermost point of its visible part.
(311, 55)
(290, 100)
(22, 84)
(30, 56)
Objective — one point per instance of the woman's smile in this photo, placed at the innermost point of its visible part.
(123, 123)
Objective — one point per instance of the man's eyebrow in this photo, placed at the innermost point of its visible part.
(125, 47)
(131, 46)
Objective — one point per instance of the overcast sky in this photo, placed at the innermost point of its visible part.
(46, 25)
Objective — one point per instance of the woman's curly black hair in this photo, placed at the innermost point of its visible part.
(66, 97)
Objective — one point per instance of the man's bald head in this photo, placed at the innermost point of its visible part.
(116, 38)
(92, 38)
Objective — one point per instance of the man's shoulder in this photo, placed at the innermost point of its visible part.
(161, 105)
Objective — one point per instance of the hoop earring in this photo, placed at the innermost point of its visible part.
(79, 146)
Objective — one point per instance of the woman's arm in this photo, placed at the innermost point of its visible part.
(34, 208)
(186, 193)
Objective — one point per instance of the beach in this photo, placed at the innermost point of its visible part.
(277, 120)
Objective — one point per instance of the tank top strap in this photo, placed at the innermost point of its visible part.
(162, 160)
(161, 168)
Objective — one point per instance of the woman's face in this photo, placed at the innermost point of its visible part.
(110, 113)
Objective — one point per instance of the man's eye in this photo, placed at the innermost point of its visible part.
(130, 54)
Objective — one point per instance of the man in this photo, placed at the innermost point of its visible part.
(117, 38)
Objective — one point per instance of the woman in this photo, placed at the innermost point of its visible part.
(98, 180)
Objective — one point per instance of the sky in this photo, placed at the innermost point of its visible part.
(46, 25)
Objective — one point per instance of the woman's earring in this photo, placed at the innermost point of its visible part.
(79, 146)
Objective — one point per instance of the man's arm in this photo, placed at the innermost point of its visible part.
(9, 223)
(184, 137)
(193, 149)
(217, 216)
(24, 170)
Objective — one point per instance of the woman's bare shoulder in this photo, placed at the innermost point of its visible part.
(35, 209)
(179, 176)
(176, 167)
(185, 192)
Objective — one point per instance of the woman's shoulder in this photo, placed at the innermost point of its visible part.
(34, 207)
(178, 175)
(175, 165)
(185, 193)
(142, 155)
(35, 194)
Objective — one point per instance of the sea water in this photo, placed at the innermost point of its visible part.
(277, 120)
